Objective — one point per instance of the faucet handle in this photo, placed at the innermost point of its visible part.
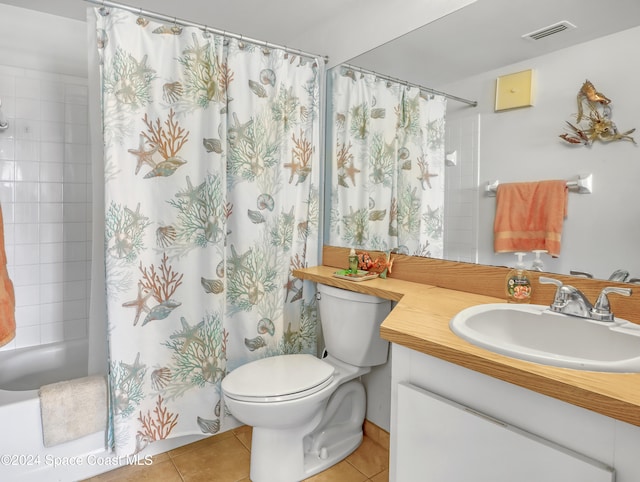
(560, 297)
(580, 273)
(550, 281)
(601, 310)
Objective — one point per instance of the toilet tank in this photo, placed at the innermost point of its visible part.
(351, 326)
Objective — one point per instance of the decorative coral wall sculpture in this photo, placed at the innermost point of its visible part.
(596, 123)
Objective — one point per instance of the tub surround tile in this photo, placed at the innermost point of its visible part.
(52, 111)
(46, 195)
(52, 332)
(26, 108)
(27, 87)
(52, 91)
(7, 146)
(26, 254)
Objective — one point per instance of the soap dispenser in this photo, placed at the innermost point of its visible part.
(353, 261)
(518, 285)
(537, 264)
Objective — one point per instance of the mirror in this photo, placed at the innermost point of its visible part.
(464, 53)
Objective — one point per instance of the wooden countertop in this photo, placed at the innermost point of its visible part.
(420, 321)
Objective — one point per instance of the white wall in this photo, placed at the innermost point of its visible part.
(45, 177)
(362, 25)
(602, 230)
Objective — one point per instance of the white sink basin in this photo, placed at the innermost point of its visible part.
(534, 333)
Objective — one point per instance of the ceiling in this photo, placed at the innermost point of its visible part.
(477, 38)
(488, 34)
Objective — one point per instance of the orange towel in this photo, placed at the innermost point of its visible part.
(7, 296)
(529, 215)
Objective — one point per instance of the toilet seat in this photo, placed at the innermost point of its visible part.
(278, 378)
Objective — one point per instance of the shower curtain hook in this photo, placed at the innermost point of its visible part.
(104, 11)
(143, 22)
(205, 32)
(176, 30)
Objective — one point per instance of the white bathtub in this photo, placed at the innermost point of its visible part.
(22, 454)
(23, 457)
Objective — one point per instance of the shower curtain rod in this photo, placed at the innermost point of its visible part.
(205, 28)
(472, 103)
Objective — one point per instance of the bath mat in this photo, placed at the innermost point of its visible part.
(73, 409)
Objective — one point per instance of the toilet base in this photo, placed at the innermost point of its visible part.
(296, 454)
(333, 454)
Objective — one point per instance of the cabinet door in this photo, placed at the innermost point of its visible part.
(440, 440)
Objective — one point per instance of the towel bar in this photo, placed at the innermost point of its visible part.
(582, 185)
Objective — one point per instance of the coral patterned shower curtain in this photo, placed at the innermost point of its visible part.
(387, 165)
(211, 200)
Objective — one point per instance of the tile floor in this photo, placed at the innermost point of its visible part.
(225, 458)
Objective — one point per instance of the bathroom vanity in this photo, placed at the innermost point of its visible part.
(525, 410)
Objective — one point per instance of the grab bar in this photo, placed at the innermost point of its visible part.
(582, 185)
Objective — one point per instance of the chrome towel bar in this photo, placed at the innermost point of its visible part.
(582, 185)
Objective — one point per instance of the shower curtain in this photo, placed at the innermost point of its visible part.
(211, 152)
(386, 142)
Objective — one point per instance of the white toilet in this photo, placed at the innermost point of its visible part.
(307, 413)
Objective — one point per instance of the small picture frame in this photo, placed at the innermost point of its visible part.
(514, 90)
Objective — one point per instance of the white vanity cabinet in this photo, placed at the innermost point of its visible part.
(451, 424)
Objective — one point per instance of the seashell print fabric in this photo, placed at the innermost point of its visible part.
(211, 160)
(386, 165)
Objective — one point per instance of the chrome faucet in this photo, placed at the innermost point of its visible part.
(601, 311)
(568, 300)
(571, 301)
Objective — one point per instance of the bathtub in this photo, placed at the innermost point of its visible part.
(23, 457)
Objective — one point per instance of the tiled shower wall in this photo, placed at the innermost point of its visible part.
(462, 192)
(45, 193)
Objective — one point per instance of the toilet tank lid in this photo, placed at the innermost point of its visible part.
(277, 376)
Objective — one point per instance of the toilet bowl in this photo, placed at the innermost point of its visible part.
(307, 413)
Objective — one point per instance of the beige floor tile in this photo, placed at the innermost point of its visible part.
(244, 435)
(381, 477)
(163, 457)
(370, 458)
(225, 461)
(206, 442)
(341, 472)
(226, 458)
(156, 472)
(378, 435)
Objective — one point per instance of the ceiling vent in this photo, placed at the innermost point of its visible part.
(550, 30)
